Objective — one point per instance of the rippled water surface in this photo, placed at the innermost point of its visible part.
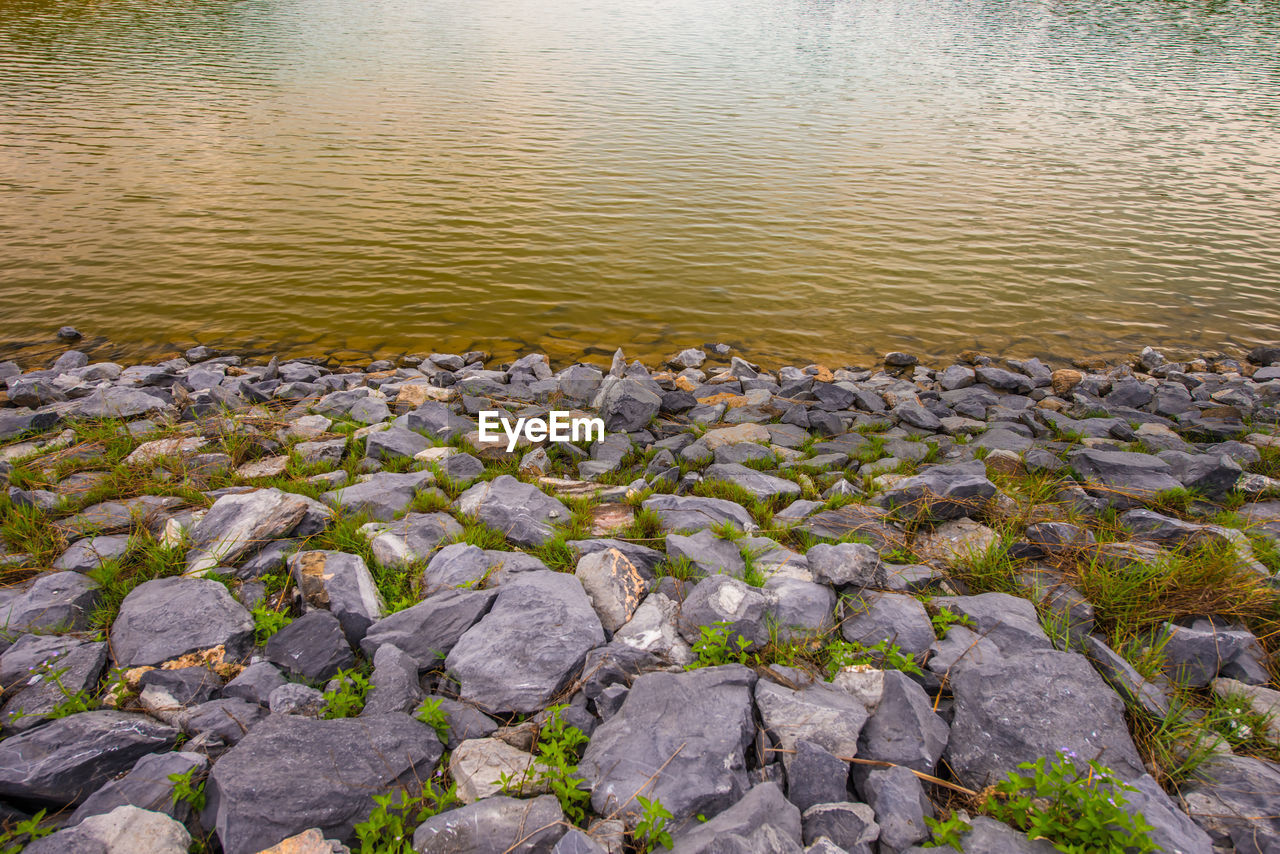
(800, 178)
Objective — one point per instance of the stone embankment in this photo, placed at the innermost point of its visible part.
(773, 610)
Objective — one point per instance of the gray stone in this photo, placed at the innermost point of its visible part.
(819, 713)
(462, 468)
(329, 451)
(411, 539)
(941, 492)
(723, 599)
(68, 759)
(116, 402)
(1003, 380)
(111, 516)
(241, 523)
(846, 564)
(294, 698)
(688, 513)
(255, 683)
(229, 719)
(166, 618)
(708, 553)
(91, 553)
(1033, 704)
(614, 585)
(577, 842)
(393, 685)
(762, 822)
(1123, 479)
(521, 511)
(496, 825)
(312, 647)
(762, 486)
(680, 738)
(532, 641)
(382, 496)
(1197, 653)
(292, 773)
(394, 443)
(903, 727)
(627, 405)
(124, 830)
(898, 618)
(428, 631)
(1211, 475)
(1232, 798)
(840, 827)
(76, 670)
(54, 601)
(900, 805)
(341, 583)
(1009, 622)
(801, 609)
(146, 786)
(31, 653)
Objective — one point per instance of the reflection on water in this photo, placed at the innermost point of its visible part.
(802, 178)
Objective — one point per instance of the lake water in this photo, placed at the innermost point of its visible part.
(803, 179)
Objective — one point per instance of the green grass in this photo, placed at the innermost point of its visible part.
(1268, 465)
(145, 560)
(28, 529)
(477, 533)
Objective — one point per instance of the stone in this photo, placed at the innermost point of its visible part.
(614, 585)
(1194, 654)
(1123, 479)
(382, 495)
(91, 552)
(721, 437)
(723, 599)
(495, 825)
(229, 719)
(941, 492)
(428, 631)
(762, 822)
(394, 443)
(1263, 701)
(411, 539)
(108, 517)
(166, 618)
(294, 698)
(844, 826)
(1210, 475)
(903, 727)
(328, 451)
(1232, 799)
(680, 738)
(626, 405)
(66, 760)
(310, 841)
(801, 609)
(1021, 707)
(762, 486)
(146, 786)
(900, 804)
(818, 713)
(255, 683)
(688, 513)
(158, 449)
(312, 647)
(241, 523)
(117, 402)
(54, 601)
(707, 553)
(74, 670)
(478, 765)
(521, 511)
(898, 618)
(264, 467)
(1127, 682)
(576, 842)
(341, 583)
(125, 830)
(529, 645)
(655, 628)
(1009, 622)
(846, 565)
(292, 773)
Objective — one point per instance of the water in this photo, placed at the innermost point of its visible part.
(804, 179)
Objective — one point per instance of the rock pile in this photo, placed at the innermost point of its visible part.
(791, 610)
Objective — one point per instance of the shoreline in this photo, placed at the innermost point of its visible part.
(762, 578)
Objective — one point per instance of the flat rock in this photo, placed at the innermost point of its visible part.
(707, 553)
(846, 564)
(146, 786)
(312, 647)
(762, 822)
(166, 618)
(529, 645)
(723, 599)
(124, 830)
(341, 583)
(818, 713)
(54, 601)
(428, 631)
(941, 492)
(411, 539)
(900, 619)
(689, 513)
(614, 585)
(1123, 479)
(762, 486)
(478, 765)
(241, 523)
(521, 511)
(292, 773)
(496, 825)
(91, 552)
(381, 496)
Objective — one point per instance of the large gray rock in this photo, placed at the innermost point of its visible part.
(900, 619)
(818, 713)
(801, 608)
(762, 822)
(941, 492)
(165, 618)
(707, 553)
(521, 511)
(394, 443)
(723, 599)
(107, 517)
(393, 686)
(903, 727)
(54, 601)
(762, 486)
(529, 645)
(90, 553)
(312, 647)
(68, 759)
(1233, 798)
(146, 786)
(1009, 622)
(291, 773)
(381, 496)
(1123, 479)
(124, 830)
(411, 539)
(241, 523)
(496, 825)
(116, 402)
(341, 583)
(1017, 709)
(680, 738)
(846, 564)
(689, 513)
(901, 806)
(1211, 475)
(428, 631)
(76, 670)
(626, 405)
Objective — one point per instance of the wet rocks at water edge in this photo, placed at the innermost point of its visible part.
(248, 602)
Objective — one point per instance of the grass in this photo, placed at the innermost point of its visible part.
(28, 529)
(145, 560)
(1268, 465)
(477, 533)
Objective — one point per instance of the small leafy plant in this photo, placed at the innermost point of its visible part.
(651, 830)
(266, 622)
(841, 654)
(1076, 806)
(14, 839)
(389, 828)
(435, 717)
(718, 645)
(948, 831)
(945, 619)
(556, 764)
(346, 699)
(186, 790)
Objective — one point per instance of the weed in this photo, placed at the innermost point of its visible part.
(186, 790)
(948, 831)
(435, 717)
(651, 830)
(266, 622)
(22, 833)
(346, 699)
(945, 619)
(718, 645)
(477, 533)
(556, 765)
(389, 828)
(841, 653)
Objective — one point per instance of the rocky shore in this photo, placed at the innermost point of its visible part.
(291, 608)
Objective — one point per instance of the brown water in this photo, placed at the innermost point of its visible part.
(800, 178)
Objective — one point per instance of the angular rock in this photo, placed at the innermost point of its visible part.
(723, 599)
(166, 618)
(627, 405)
(614, 585)
(1123, 479)
(762, 822)
(428, 631)
(75, 671)
(898, 618)
(846, 564)
(762, 486)
(393, 685)
(124, 830)
(521, 511)
(411, 539)
(828, 717)
(496, 825)
(900, 805)
(241, 523)
(146, 786)
(689, 513)
(341, 583)
(255, 683)
(478, 765)
(54, 601)
(801, 609)
(91, 552)
(381, 495)
(846, 827)
(312, 647)
(1009, 622)
(941, 492)
(707, 553)
(903, 727)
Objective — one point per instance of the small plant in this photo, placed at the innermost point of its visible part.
(948, 831)
(346, 699)
(651, 830)
(14, 839)
(435, 717)
(718, 645)
(72, 702)
(841, 654)
(186, 790)
(389, 828)
(945, 619)
(266, 622)
(556, 764)
(1078, 807)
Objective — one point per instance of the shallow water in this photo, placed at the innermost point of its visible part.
(800, 178)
